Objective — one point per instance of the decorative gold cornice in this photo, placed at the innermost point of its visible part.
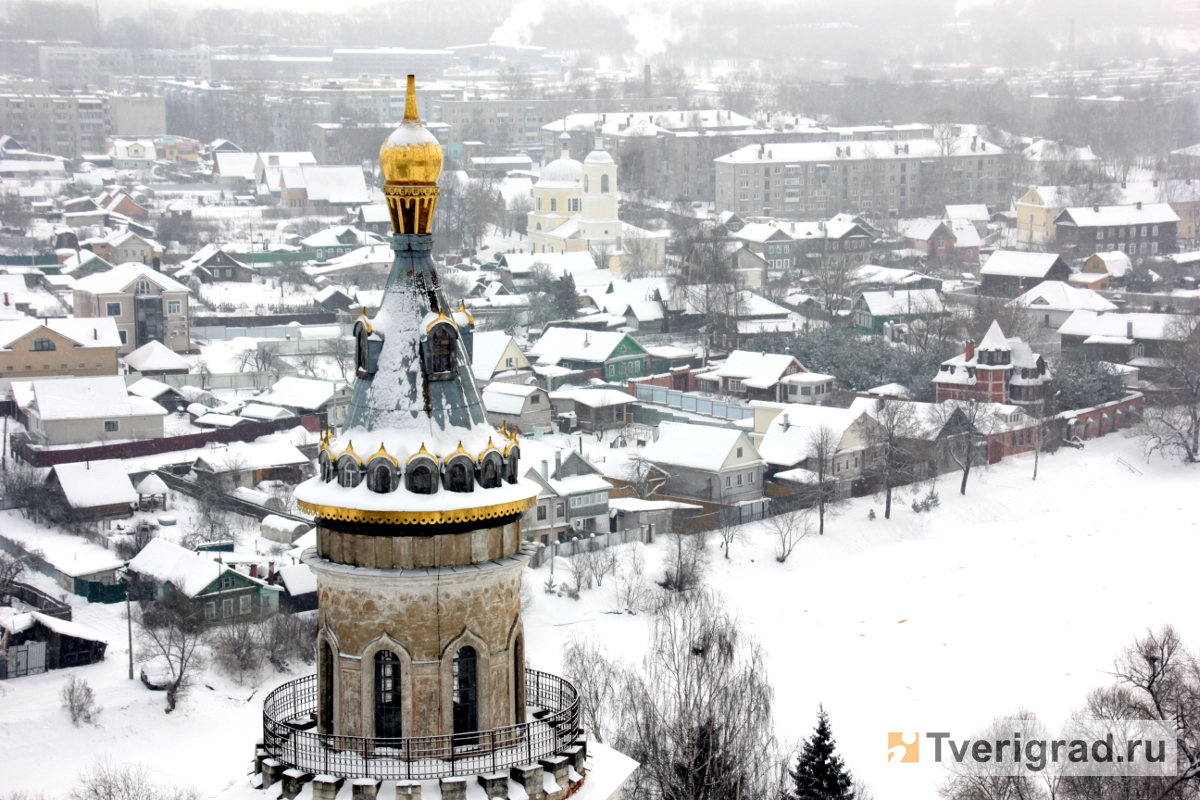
(349, 451)
(462, 309)
(417, 517)
(366, 322)
(441, 317)
(490, 447)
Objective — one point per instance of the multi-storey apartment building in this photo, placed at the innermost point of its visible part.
(819, 178)
(60, 124)
(77, 67)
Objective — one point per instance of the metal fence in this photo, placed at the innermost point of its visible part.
(686, 401)
(289, 713)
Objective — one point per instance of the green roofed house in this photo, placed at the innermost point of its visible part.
(874, 311)
(216, 590)
(598, 354)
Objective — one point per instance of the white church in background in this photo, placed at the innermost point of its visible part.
(575, 210)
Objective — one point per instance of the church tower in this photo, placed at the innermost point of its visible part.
(420, 651)
(598, 220)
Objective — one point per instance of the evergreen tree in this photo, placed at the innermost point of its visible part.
(564, 299)
(820, 773)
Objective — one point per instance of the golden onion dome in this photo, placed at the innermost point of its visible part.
(411, 156)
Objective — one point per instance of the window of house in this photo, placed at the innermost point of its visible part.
(553, 204)
(244, 604)
(226, 582)
(143, 287)
(728, 481)
(739, 452)
(112, 309)
(41, 345)
(750, 479)
(541, 512)
(736, 386)
(174, 306)
(559, 510)
(210, 612)
(739, 477)
(535, 399)
(112, 425)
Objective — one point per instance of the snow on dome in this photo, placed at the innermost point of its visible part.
(562, 173)
(598, 157)
(151, 484)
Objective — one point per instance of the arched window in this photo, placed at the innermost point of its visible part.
(388, 698)
(41, 345)
(420, 477)
(381, 475)
(519, 680)
(466, 691)
(490, 469)
(362, 350)
(349, 472)
(460, 475)
(325, 710)
(326, 465)
(604, 184)
(539, 226)
(440, 343)
(510, 472)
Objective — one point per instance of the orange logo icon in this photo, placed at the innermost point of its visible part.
(904, 747)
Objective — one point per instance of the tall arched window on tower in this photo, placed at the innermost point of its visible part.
(325, 712)
(466, 690)
(603, 184)
(439, 355)
(519, 679)
(388, 706)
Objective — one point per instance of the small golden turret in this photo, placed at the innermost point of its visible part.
(411, 162)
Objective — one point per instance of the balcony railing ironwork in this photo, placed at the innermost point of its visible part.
(290, 737)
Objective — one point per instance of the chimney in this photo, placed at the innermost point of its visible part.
(270, 572)
(969, 349)
(95, 333)
(1139, 205)
(254, 570)
(545, 470)
(557, 464)
(1096, 209)
(1129, 329)
(787, 423)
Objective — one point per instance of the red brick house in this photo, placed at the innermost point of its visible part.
(999, 370)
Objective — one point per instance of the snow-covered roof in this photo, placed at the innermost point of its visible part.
(88, 484)
(342, 185)
(895, 276)
(309, 394)
(903, 301)
(14, 622)
(975, 212)
(702, 447)
(154, 356)
(923, 229)
(331, 237)
(506, 398)
(1060, 296)
(151, 484)
(260, 411)
(965, 233)
(487, 349)
(576, 344)
(562, 173)
(635, 504)
(788, 439)
(1093, 216)
(1016, 263)
(148, 388)
(120, 278)
(84, 332)
(298, 579)
(1135, 326)
(833, 152)
(757, 369)
(557, 264)
(759, 232)
(1116, 263)
(594, 398)
(168, 562)
(89, 398)
(245, 456)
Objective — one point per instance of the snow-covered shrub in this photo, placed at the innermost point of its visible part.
(239, 651)
(80, 701)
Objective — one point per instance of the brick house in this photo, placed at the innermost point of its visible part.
(999, 370)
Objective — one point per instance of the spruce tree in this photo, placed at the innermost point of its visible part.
(820, 773)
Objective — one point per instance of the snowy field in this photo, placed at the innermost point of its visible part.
(1019, 595)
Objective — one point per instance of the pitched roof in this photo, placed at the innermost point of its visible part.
(487, 350)
(576, 344)
(90, 398)
(168, 562)
(1016, 263)
(242, 456)
(118, 280)
(1092, 216)
(699, 446)
(788, 439)
(506, 398)
(964, 232)
(86, 332)
(1142, 325)
(306, 393)
(1060, 296)
(903, 301)
(994, 339)
(154, 356)
(756, 369)
(1115, 262)
(594, 398)
(976, 212)
(88, 484)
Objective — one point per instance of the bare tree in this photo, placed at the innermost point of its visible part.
(730, 530)
(631, 577)
(80, 701)
(891, 456)
(173, 632)
(686, 562)
(641, 255)
(696, 713)
(239, 652)
(105, 780)
(643, 477)
(594, 676)
(788, 529)
(12, 569)
(963, 425)
(823, 445)
(341, 351)
(1171, 425)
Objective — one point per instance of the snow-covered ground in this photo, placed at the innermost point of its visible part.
(1018, 595)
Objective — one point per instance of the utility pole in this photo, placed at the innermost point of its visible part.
(129, 621)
